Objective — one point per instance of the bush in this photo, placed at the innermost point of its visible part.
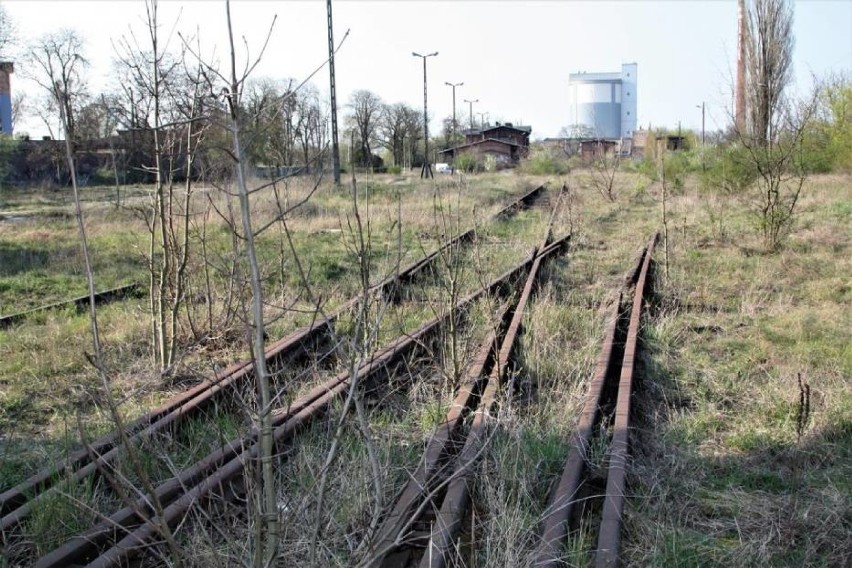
(468, 163)
(395, 170)
(543, 162)
(727, 169)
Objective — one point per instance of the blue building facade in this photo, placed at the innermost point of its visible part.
(6, 69)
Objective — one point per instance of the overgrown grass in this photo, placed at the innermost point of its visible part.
(720, 474)
(726, 480)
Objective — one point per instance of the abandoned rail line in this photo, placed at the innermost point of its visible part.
(135, 526)
(80, 303)
(17, 502)
(608, 400)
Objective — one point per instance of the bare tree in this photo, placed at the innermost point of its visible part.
(398, 122)
(603, 168)
(769, 57)
(366, 110)
(61, 61)
(7, 33)
(779, 169)
(236, 119)
(770, 160)
(20, 107)
(57, 62)
(150, 88)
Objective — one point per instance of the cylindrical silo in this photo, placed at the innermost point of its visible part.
(596, 104)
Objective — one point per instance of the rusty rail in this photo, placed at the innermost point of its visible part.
(609, 536)
(444, 468)
(81, 303)
(15, 502)
(613, 364)
(134, 524)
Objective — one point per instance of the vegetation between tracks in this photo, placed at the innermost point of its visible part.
(725, 470)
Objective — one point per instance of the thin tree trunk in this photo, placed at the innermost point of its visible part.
(267, 549)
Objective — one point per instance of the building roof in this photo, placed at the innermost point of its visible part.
(478, 142)
(594, 77)
(510, 126)
(490, 127)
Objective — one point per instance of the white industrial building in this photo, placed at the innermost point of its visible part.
(603, 105)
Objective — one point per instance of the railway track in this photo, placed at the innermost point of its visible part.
(17, 502)
(608, 400)
(81, 303)
(129, 532)
(421, 527)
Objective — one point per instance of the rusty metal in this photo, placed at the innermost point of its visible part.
(80, 303)
(608, 373)
(457, 498)
(560, 506)
(404, 512)
(609, 535)
(179, 494)
(440, 470)
(14, 502)
(521, 203)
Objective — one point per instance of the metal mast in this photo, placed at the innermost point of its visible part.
(426, 171)
(455, 124)
(335, 148)
(471, 110)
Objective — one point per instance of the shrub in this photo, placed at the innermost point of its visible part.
(468, 163)
(543, 162)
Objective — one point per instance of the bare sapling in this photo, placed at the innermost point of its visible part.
(604, 167)
(152, 85)
(60, 59)
(267, 517)
(370, 312)
(664, 204)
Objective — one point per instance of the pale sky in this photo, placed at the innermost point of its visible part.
(512, 55)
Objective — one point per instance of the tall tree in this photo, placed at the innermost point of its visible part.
(769, 57)
(57, 64)
(399, 121)
(7, 33)
(366, 110)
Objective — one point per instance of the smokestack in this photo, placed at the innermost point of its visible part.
(6, 69)
(740, 98)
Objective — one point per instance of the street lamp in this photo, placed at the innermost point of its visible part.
(471, 110)
(455, 126)
(482, 116)
(701, 106)
(426, 171)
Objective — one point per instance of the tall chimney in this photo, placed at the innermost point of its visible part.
(6, 69)
(739, 97)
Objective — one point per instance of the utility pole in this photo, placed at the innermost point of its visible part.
(742, 54)
(335, 148)
(471, 110)
(701, 106)
(482, 116)
(426, 170)
(455, 124)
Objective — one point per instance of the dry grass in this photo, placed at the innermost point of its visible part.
(719, 475)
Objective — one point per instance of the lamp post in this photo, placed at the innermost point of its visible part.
(701, 106)
(455, 125)
(482, 116)
(471, 110)
(426, 171)
(335, 147)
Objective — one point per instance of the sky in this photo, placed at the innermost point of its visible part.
(514, 56)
